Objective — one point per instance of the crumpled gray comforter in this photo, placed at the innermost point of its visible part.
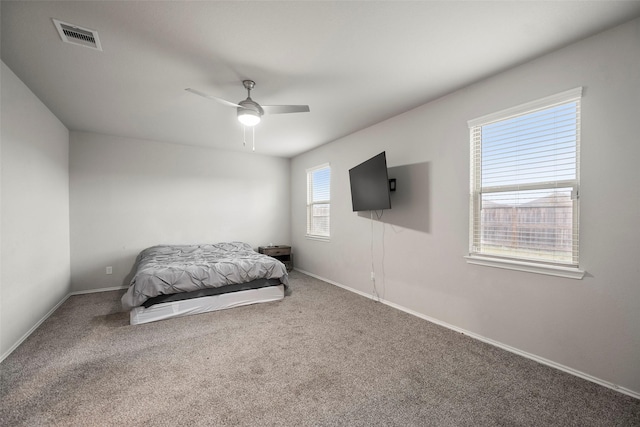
(169, 269)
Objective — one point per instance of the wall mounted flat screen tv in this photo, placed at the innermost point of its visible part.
(370, 185)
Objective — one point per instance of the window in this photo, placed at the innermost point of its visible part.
(525, 169)
(318, 201)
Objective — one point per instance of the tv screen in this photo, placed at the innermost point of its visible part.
(370, 185)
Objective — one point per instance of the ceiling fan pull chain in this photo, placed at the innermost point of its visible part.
(253, 137)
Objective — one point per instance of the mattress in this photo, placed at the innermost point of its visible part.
(205, 292)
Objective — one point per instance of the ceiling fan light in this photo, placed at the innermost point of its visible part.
(248, 117)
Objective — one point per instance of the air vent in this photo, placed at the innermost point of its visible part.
(70, 33)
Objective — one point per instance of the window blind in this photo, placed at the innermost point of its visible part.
(319, 201)
(525, 181)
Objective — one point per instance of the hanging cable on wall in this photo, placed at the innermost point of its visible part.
(375, 295)
(383, 281)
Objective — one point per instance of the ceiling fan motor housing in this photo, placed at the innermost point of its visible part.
(250, 104)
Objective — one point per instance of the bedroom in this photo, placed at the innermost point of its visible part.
(80, 199)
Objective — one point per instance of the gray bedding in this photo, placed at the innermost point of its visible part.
(170, 269)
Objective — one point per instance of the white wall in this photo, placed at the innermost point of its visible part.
(35, 211)
(128, 194)
(589, 325)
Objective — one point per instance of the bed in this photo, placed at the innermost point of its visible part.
(180, 280)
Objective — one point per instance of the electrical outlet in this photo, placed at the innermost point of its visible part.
(109, 270)
(373, 276)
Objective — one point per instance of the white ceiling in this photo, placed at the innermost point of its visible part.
(353, 63)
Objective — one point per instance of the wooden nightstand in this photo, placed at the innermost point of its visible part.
(279, 252)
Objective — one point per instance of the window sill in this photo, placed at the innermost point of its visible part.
(318, 238)
(530, 267)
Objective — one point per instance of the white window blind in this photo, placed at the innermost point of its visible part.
(525, 182)
(319, 201)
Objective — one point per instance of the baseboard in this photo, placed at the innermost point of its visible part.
(33, 328)
(50, 312)
(506, 347)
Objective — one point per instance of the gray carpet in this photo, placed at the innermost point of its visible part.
(321, 357)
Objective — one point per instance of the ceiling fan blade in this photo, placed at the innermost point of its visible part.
(284, 109)
(220, 100)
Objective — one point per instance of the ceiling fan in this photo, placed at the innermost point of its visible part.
(249, 111)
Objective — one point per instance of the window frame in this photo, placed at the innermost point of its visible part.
(311, 203)
(476, 191)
